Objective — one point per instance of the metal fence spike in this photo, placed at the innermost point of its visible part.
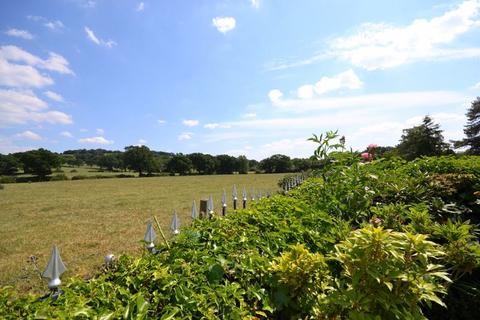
(175, 226)
(54, 269)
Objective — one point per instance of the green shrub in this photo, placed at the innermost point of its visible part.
(58, 177)
(386, 275)
(79, 177)
(300, 278)
(7, 179)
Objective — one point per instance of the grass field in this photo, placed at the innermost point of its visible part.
(90, 218)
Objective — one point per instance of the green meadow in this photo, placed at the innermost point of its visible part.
(89, 218)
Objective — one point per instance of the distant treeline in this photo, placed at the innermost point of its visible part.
(146, 162)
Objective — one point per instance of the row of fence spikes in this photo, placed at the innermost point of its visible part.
(56, 267)
(293, 182)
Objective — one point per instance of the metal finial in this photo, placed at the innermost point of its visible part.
(210, 206)
(109, 260)
(224, 198)
(150, 236)
(194, 210)
(234, 192)
(54, 269)
(244, 194)
(175, 226)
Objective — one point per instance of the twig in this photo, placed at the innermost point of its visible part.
(161, 232)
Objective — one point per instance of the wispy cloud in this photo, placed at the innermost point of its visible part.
(26, 75)
(140, 7)
(185, 136)
(23, 106)
(381, 46)
(100, 131)
(215, 126)
(92, 37)
(52, 25)
(250, 115)
(95, 140)
(66, 134)
(161, 121)
(28, 135)
(54, 96)
(224, 24)
(347, 79)
(390, 100)
(24, 34)
(191, 123)
(255, 3)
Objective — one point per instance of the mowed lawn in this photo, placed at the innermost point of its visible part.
(87, 219)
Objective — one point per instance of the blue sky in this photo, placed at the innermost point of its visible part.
(237, 77)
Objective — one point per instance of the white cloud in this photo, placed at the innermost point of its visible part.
(29, 135)
(55, 62)
(442, 117)
(95, 140)
(185, 136)
(66, 134)
(255, 3)
(92, 37)
(52, 25)
(23, 106)
(215, 126)
(190, 123)
(54, 96)
(140, 7)
(275, 95)
(24, 34)
(306, 91)
(250, 115)
(392, 100)
(7, 146)
(160, 121)
(381, 46)
(142, 142)
(16, 75)
(100, 131)
(476, 86)
(224, 24)
(347, 79)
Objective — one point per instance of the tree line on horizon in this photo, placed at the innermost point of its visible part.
(425, 139)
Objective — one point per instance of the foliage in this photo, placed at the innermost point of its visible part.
(375, 240)
(8, 165)
(179, 164)
(278, 163)
(39, 162)
(325, 145)
(139, 158)
(386, 275)
(203, 163)
(472, 129)
(423, 140)
(300, 279)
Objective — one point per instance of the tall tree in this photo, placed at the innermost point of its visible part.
(203, 163)
(277, 163)
(423, 140)
(39, 162)
(139, 158)
(179, 163)
(226, 164)
(242, 165)
(472, 129)
(8, 165)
